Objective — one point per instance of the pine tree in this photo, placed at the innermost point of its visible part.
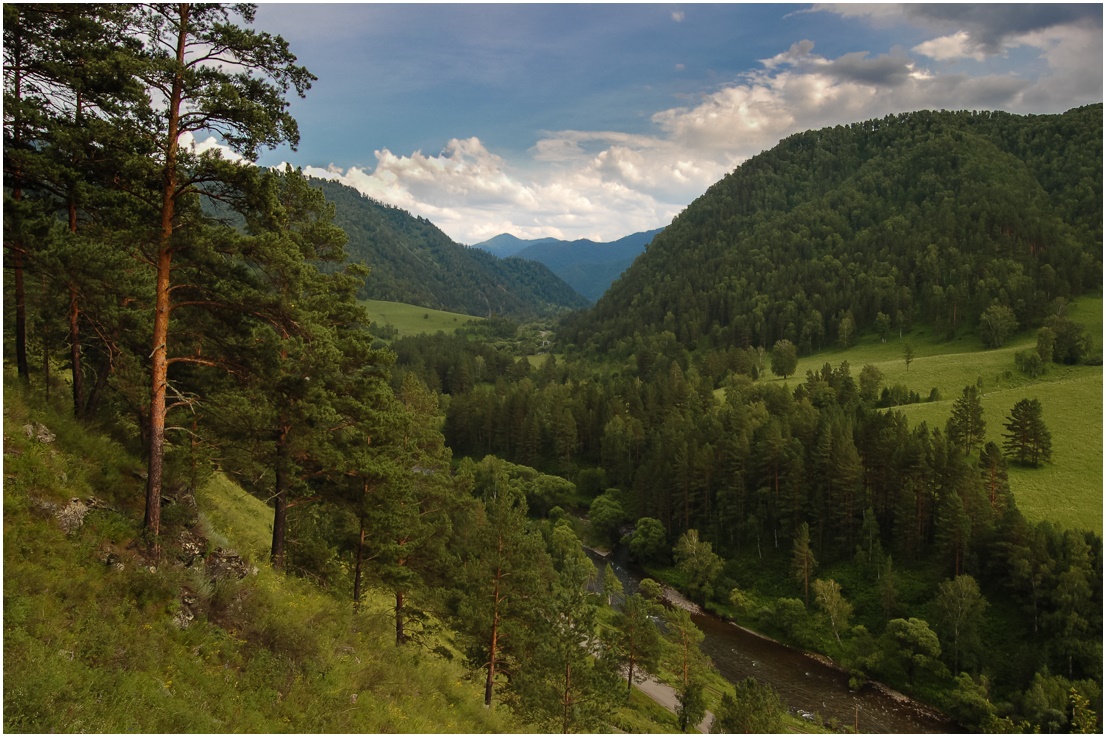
(755, 708)
(1027, 439)
(503, 565)
(559, 683)
(803, 562)
(241, 99)
(684, 658)
(966, 426)
(635, 643)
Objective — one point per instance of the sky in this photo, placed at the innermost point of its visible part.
(597, 121)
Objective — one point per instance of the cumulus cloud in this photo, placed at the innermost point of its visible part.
(472, 194)
(975, 30)
(606, 184)
(953, 46)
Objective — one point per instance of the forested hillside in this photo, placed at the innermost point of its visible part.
(929, 217)
(412, 261)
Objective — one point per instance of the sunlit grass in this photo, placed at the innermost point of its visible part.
(413, 320)
(91, 641)
(1068, 490)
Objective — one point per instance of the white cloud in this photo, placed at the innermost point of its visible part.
(678, 16)
(606, 184)
(954, 46)
(211, 143)
(472, 194)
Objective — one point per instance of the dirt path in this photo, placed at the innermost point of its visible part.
(665, 695)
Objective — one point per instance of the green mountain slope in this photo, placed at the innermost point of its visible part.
(927, 217)
(101, 637)
(412, 261)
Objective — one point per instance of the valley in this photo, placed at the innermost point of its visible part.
(282, 457)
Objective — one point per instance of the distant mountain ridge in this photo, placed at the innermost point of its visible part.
(588, 266)
(412, 261)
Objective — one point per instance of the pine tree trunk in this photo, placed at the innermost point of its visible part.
(159, 354)
(46, 365)
(280, 501)
(20, 313)
(566, 700)
(75, 352)
(630, 680)
(159, 380)
(17, 248)
(401, 635)
(494, 644)
(357, 568)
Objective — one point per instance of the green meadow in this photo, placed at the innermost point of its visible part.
(1067, 491)
(413, 320)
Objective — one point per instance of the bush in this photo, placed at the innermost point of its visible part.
(996, 325)
(1029, 363)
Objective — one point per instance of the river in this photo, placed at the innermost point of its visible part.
(806, 685)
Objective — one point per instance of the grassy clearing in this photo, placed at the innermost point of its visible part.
(412, 320)
(1067, 491)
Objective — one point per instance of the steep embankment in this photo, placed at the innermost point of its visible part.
(101, 636)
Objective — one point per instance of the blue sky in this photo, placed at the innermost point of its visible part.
(597, 121)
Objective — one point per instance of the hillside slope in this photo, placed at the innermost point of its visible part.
(412, 261)
(99, 636)
(927, 217)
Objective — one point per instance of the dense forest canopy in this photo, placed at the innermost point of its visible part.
(924, 217)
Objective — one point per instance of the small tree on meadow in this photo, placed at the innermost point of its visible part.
(1028, 440)
(785, 358)
(966, 427)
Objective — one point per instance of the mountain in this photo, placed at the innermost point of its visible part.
(413, 261)
(505, 245)
(928, 216)
(587, 266)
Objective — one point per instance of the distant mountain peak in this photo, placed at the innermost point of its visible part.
(588, 266)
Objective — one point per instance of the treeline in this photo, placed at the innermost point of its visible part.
(752, 470)
(928, 217)
(416, 263)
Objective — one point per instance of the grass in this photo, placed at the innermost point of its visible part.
(231, 513)
(1067, 491)
(93, 640)
(413, 320)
